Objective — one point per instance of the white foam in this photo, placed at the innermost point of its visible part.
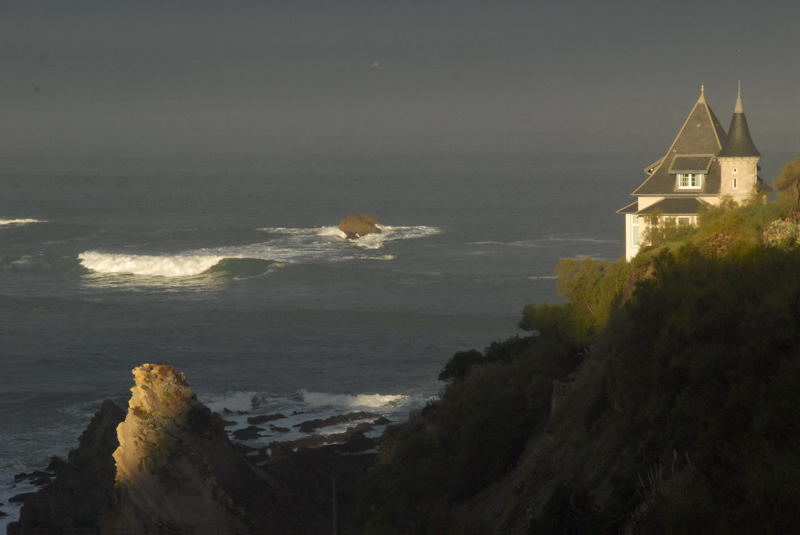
(184, 265)
(369, 241)
(288, 230)
(298, 245)
(319, 399)
(20, 221)
(330, 231)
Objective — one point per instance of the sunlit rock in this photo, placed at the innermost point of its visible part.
(175, 467)
(355, 226)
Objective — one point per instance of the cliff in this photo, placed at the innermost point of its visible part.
(174, 465)
(674, 414)
(167, 466)
(83, 490)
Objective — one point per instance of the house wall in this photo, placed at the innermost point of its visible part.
(634, 227)
(744, 170)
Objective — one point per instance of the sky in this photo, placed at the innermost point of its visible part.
(235, 83)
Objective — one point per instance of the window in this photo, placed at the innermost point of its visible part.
(635, 230)
(734, 181)
(684, 221)
(690, 180)
(735, 170)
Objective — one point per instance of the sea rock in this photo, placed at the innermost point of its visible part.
(355, 226)
(250, 432)
(311, 425)
(351, 440)
(174, 465)
(264, 418)
(56, 464)
(20, 498)
(167, 466)
(83, 489)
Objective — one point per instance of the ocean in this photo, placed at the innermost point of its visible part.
(241, 280)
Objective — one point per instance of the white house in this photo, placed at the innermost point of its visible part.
(702, 165)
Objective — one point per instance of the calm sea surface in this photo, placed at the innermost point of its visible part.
(241, 281)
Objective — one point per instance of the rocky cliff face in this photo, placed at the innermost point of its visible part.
(167, 466)
(175, 467)
(83, 490)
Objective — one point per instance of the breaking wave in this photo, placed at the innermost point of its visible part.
(9, 222)
(291, 245)
(370, 241)
(160, 266)
(374, 401)
(302, 401)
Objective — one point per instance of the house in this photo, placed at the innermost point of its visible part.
(703, 165)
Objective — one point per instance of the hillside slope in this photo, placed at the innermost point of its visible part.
(661, 398)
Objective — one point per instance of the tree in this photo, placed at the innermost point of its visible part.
(788, 183)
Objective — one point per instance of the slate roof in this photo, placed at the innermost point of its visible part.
(675, 206)
(701, 134)
(691, 164)
(739, 141)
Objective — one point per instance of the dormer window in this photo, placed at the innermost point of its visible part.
(690, 180)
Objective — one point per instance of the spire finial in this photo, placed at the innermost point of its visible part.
(739, 108)
(702, 90)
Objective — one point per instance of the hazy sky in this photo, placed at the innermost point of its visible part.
(226, 81)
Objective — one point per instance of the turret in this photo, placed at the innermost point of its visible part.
(739, 157)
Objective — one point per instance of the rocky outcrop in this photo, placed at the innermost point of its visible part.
(355, 226)
(167, 466)
(175, 467)
(83, 490)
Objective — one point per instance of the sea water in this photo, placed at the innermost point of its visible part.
(242, 281)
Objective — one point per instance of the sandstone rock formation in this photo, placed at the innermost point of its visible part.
(355, 226)
(175, 467)
(169, 467)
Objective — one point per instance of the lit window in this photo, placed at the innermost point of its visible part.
(690, 180)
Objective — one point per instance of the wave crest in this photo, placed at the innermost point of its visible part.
(320, 399)
(159, 266)
(9, 222)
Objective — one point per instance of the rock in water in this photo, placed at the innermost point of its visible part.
(169, 467)
(175, 468)
(83, 490)
(355, 226)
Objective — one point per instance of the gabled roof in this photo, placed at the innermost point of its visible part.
(701, 134)
(675, 206)
(739, 141)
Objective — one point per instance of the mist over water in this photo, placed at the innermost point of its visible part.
(172, 175)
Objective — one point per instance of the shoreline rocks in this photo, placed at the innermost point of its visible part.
(168, 462)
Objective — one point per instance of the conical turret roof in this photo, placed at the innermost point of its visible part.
(739, 141)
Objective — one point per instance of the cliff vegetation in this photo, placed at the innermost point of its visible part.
(660, 397)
